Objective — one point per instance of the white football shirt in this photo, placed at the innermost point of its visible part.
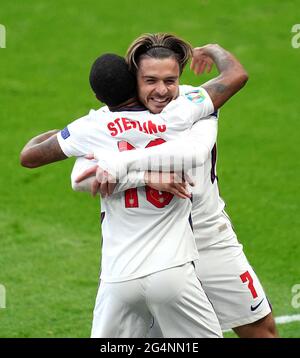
(211, 223)
(144, 231)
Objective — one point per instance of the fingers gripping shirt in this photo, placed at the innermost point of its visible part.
(134, 178)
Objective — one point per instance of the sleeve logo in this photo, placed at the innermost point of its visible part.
(65, 133)
(195, 96)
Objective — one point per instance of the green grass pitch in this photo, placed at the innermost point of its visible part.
(49, 235)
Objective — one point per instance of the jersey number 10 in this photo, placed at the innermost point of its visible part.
(155, 197)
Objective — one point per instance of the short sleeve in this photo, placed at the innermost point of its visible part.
(73, 139)
(192, 104)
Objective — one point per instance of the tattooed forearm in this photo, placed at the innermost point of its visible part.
(40, 138)
(231, 79)
(41, 150)
(216, 86)
(222, 58)
(49, 151)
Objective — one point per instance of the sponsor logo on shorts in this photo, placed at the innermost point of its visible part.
(254, 308)
(196, 96)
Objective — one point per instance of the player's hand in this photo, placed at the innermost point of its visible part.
(201, 61)
(90, 172)
(170, 182)
(104, 183)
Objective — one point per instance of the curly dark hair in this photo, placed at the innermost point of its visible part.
(111, 80)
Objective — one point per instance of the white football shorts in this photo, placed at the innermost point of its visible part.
(172, 298)
(231, 284)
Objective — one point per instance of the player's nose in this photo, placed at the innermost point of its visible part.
(161, 89)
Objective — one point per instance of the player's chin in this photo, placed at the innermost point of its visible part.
(156, 107)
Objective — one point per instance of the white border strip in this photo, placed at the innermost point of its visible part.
(287, 319)
(281, 320)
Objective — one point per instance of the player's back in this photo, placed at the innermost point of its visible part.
(144, 231)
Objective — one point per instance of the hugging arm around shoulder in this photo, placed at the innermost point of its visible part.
(187, 152)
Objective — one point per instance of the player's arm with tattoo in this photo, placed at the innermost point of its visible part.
(42, 149)
(232, 75)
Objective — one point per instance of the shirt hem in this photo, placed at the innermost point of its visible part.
(135, 276)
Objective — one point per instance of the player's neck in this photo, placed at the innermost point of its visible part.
(131, 103)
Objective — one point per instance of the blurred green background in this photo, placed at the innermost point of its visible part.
(49, 235)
